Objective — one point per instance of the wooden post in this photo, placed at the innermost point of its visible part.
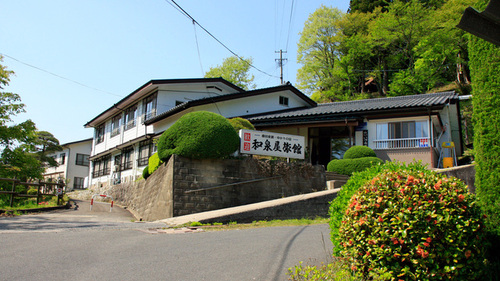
(38, 195)
(12, 194)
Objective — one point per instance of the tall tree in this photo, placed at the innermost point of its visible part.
(235, 71)
(23, 149)
(319, 54)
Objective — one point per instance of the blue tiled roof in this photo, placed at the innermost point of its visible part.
(364, 106)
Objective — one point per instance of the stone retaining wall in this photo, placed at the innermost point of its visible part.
(225, 183)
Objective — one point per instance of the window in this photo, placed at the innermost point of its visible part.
(402, 134)
(101, 166)
(62, 158)
(129, 118)
(126, 159)
(99, 134)
(150, 107)
(146, 149)
(115, 125)
(78, 183)
(82, 159)
(283, 100)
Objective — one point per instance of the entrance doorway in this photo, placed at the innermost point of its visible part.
(328, 143)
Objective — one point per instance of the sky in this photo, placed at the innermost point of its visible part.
(74, 59)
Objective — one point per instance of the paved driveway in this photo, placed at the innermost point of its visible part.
(77, 217)
(98, 245)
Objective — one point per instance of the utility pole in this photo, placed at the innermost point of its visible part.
(280, 63)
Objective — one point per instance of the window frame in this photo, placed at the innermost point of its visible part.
(62, 158)
(151, 99)
(115, 125)
(81, 162)
(99, 133)
(129, 118)
(147, 145)
(284, 100)
(78, 183)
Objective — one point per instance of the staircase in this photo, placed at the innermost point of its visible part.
(334, 180)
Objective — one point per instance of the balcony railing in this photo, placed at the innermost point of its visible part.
(402, 143)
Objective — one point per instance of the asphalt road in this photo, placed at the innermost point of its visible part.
(66, 246)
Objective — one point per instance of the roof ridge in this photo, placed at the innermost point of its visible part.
(385, 98)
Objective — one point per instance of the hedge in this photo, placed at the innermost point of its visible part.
(153, 163)
(349, 166)
(484, 64)
(199, 135)
(359, 151)
(239, 123)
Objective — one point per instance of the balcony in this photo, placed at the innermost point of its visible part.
(402, 143)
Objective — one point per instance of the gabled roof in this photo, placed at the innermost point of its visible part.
(147, 89)
(209, 100)
(78, 141)
(363, 107)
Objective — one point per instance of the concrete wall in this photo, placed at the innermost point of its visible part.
(408, 155)
(151, 199)
(466, 173)
(226, 183)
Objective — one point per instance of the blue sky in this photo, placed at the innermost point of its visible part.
(104, 50)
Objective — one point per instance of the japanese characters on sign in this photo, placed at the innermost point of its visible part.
(272, 144)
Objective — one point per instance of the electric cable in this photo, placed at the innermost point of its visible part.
(215, 38)
(59, 76)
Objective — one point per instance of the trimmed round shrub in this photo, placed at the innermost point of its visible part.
(153, 163)
(359, 151)
(145, 173)
(199, 135)
(413, 225)
(349, 166)
(239, 123)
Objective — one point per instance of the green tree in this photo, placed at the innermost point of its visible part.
(23, 149)
(322, 74)
(485, 63)
(234, 70)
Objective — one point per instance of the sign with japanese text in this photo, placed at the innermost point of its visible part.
(272, 144)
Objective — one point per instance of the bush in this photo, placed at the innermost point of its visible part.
(199, 135)
(484, 64)
(32, 191)
(239, 123)
(359, 151)
(339, 205)
(153, 163)
(145, 173)
(349, 166)
(413, 224)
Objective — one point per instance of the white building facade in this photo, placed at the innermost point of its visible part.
(125, 134)
(74, 165)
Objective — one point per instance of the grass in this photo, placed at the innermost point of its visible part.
(255, 224)
(30, 203)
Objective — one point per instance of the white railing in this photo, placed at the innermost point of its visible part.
(402, 143)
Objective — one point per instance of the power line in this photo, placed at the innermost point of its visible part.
(289, 26)
(59, 76)
(180, 9)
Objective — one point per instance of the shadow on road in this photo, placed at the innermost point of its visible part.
(77, 217)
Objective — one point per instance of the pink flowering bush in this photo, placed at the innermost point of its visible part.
(413, 225)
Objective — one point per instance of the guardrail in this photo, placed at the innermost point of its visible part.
(43, 189)
(103, 196)
(402, 143)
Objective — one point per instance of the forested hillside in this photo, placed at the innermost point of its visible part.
(384, 48)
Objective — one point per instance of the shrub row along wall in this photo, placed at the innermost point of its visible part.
(164, 195)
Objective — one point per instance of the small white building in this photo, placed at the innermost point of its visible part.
(74, 164)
